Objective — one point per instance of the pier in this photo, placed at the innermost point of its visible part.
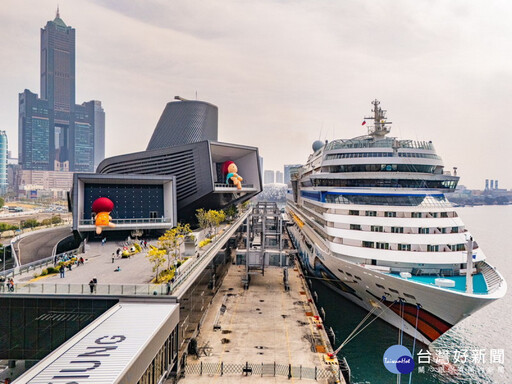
(223, 326)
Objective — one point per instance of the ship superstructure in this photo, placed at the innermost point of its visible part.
(371, 217)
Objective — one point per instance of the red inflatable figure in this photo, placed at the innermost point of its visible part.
(102, 207)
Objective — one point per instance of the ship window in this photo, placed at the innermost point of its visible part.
(423, 230)
(377, 228)
(409, 296)
(455, 229)
(444, 214)
(368, 244)
(393, 290)
(340, 270)
(380, 286)
(397, 229)
(416, 214)
(348, 274)
(356, 227)
(390, 214)
(371, 213)
(357, 277)
(382, 245)
(433, 214)
(457, 247)
(432, 248)
(404, 247)
(353, 213)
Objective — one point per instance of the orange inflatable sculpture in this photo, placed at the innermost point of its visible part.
(102, 207)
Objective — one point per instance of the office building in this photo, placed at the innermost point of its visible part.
(55, 134)
(268, 177)
(279, 177)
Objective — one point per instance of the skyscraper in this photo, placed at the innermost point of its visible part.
(55, 134)
(279, 177)
(268, 177)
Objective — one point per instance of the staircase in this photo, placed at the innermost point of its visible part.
(492, 278)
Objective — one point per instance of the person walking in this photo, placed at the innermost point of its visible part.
(95, 281)
(10, 285)
(113, 257)
(91, 285)
(62, 271)
(168, 287)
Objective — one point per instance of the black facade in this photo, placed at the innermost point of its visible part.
(184, 122)
(195, 165)
(33, 327)
(54, 132)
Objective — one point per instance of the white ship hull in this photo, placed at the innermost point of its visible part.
(439, 310)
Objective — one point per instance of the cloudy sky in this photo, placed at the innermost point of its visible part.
(285, 73)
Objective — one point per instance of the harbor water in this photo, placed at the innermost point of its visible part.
(485, 338)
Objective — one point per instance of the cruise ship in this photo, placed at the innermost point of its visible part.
(371, 218)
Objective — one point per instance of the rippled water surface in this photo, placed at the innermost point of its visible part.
(489, 331)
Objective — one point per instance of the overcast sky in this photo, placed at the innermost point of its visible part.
(285, 73)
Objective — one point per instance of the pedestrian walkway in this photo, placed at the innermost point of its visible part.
(98, 263)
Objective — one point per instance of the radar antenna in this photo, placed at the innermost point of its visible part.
(379, 128)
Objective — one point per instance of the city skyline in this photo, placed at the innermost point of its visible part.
(56, 134)
(308, 72)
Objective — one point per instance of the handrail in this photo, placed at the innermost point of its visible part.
(131, 221)
(224, 185)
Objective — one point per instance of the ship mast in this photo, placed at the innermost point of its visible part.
(380, 127)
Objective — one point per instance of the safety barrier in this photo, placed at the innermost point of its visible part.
(263, 369)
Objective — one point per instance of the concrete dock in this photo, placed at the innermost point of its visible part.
(262, 334)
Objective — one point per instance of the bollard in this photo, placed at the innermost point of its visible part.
(201, 369)
(221, 368)
(289, 371)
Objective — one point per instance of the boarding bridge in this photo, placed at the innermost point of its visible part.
(263, 241)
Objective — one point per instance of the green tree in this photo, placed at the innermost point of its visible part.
(56, 219)
(173, 239)
(2, 202)
(231, 211)
(215, 218)
(202, 218)
(30, 223)
(157, 258)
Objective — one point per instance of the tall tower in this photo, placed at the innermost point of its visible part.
(58, 65)
(55, 134)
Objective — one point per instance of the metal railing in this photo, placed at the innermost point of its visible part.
(118, 289)
(131, 221)
(264, 369)
(50, 260)
(224, 185)
(98, 289)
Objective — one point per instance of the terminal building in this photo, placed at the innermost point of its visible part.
(183, 147)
